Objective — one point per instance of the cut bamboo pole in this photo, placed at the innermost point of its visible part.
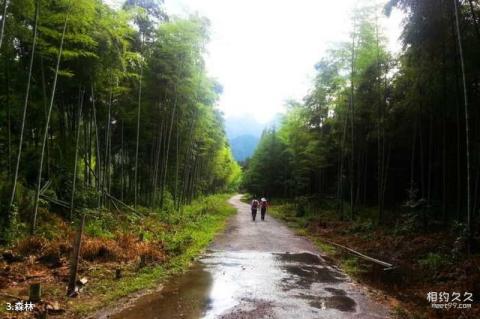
(376, 261)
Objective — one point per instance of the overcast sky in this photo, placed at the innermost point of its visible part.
(263, 51)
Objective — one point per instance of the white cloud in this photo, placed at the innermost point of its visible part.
(263, 51)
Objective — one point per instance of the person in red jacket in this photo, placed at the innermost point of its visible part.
(263, 207)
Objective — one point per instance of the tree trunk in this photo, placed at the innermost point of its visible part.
(412, 159)
(380, 136)
(138, 137)
(122, 164)
(190, 192)
(4, 18)
(74, 180)
(45, 107)
(85, 149)
(157, 168)
(386, 166)
(340, 174)
(459, 175)
(467, 133)
(187, 161)
(168, 147)
(176, 167)
(444, 171)
(9, 120)
(352, 119)
(430, 160)
(106, 170)
(444, 133)
(75, 257)
(25, 104)
(98, 179)
(45, 133)
(365, 179)
(422, 159)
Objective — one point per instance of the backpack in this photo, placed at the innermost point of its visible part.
(255, 204)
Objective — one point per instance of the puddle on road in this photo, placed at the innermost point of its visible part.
(306, 269)
(305, 258)
(185, 296)
(336, 292)
(225, 284)
(307, 275)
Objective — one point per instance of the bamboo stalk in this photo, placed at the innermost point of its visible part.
(45, 133)
(75, 258)
(76, 156)
(4, 18)
(138, 137)
(25, 104)
(467, 130)
(374, 260)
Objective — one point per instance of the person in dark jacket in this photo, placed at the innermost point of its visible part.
(254, 207)
(263, 207)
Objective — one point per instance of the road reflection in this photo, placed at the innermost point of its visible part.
(185, 296)
(225, 284)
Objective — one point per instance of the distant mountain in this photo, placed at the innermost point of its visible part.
(243, 125)
(244, 133)
(243, 146)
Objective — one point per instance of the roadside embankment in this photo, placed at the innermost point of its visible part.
(121, 254)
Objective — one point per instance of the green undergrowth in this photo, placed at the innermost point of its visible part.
(193, 228)
(175, 237)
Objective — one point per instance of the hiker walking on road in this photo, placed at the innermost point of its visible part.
(254, 207)
(263, 207)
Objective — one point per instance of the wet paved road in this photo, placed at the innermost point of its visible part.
(258, 270)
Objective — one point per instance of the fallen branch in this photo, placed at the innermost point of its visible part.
(376, 261)
(45, 187)
(55, 201)
(115, 205)
(113, 200)
(122, 203)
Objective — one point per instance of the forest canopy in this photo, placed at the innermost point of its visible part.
(385, 131)
(104, 107)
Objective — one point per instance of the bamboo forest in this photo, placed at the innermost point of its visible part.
(127, 190)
